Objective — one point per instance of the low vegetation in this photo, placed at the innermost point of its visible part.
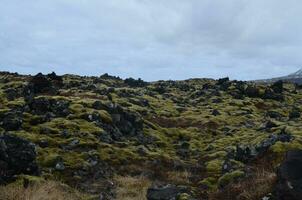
(104, 136)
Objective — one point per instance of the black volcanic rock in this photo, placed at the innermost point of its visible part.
(11, 94)
(127, 122)
(277, 86)
(43, 84)
(11, 120)
(17, 156)
(289, 185)
(168, 192)
(135, 83)
(223, 80)
(252, 91)
(274, 114)
(295, 113)
(43, 105)
(224, 83)
(40, 83)
(248, 153)
(271, 94)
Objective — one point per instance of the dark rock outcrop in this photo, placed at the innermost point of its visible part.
(274, 114)
(11, 94)
(252, 91)
(277, 86)
(135, 83)
(215, 112)
(124, 123)
(224, 83)
(43, 105)
(168, 192)
(294, 114)
(40, 83)
(43, 84)
(127, 122)
(11, 120)
(248, 153)
(17, 156)
(271, 94)
(289, 184)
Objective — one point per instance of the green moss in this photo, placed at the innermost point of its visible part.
(105, 116)
(184, 196)
(230, 177)
(218, 154)
(77, 108)
(214, 166)
(118, 155)
(179, 115)
(16, 103)
(49, 157)
(74, 125)
(210, 183)
(74, 160)
(30, 179)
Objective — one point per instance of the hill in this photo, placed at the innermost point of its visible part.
(108, 138)
(292, 78)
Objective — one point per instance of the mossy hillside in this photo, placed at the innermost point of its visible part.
(179, 117)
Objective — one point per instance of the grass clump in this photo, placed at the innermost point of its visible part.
(46, 190)
(132, 188)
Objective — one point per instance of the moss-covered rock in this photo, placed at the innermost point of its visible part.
(230, 177)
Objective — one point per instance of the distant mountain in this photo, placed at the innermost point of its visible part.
(293, 78)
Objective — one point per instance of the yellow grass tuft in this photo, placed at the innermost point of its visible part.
(48, 190)
(132, 188)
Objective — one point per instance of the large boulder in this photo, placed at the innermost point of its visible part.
(43, 84)
(271, 94)
(277, 86)
(135, 83)
(294, 114)
(43, 105)
(289, 183)
(11, 121)
(128, 123)
(224, 83)
(17, 156)
(274, 114)
(40, 83)
(11, 94)
(252, 91)
(57, 81)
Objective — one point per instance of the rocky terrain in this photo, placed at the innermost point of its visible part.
(108, 138)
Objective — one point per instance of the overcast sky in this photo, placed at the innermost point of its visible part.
(152, 39)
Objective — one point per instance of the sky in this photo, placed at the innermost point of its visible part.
(152, 39)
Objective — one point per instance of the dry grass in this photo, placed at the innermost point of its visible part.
(49, 190)
(131, 188)
(178, 177)
(253, 188)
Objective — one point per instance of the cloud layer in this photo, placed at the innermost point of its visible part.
(152, 39)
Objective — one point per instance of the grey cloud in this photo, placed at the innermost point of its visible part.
(152, 39)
